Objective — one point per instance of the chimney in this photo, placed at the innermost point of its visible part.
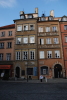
(36, 10)
(52, 13)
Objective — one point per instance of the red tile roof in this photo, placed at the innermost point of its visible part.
(7, 26)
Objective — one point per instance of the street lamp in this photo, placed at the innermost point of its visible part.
(27, 71)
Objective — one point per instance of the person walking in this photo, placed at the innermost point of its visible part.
(41, 78)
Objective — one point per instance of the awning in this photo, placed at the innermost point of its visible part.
(5, 66)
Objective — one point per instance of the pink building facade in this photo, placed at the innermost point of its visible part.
(7, 37)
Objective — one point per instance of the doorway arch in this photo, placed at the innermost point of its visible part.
(18, 72)
(58, 71)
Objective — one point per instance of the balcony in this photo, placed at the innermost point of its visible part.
(51, 46)
(48, 34)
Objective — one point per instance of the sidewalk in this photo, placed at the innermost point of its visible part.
(59, 80)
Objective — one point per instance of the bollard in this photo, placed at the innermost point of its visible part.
(46, 79)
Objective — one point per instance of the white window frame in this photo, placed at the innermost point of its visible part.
(65, 38)
(64, 19)
(9, 45)
(29, 16)
(41, 41)
(8, 56)
(2, 34)
(48, 41)
(56, 40)
(57, 54)
(18, 55)
(44, 72)
(2, 45)
(10, 33)
(18, 40)
(1, 56)
(32, 28)
(31, 39)
(32, 57)
(22, 17)
(25, 27)
(49, 54)
(24, 54)
(54, 28)
(40, 29)
(19, 27)
(65, 27)
(47, 29)
(25, 40)
(41, 54)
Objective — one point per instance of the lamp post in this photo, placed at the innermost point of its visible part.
(27, 71)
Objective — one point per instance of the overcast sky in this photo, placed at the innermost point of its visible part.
(9, 9)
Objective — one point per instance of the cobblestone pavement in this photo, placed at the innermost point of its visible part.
(33, 91)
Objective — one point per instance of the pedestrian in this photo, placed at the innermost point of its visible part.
(41, 78)
(2, 75)
(15, 77)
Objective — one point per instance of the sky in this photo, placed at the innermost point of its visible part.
(10, 9)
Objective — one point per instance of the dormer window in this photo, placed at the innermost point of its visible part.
(42, 19)
(22, 17)
(50, 18)
(64, 19)
(29, 16)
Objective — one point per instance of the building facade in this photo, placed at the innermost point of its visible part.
(26, 46)
(63, 29)
(50, 54)
(7, 36)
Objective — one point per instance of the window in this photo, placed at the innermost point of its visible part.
(25, 55)
(31, 27)
(65, 38)
(32, 55)
(50, 18)
(25, 27)
(42, 19)
(8, 56)
(9, 45)
(49, 54)
(47, 29)
(10, 33)
(3, 34)
(41, 54)
(44, 70)
(18, 40)
(40, 29)
(22, 17)
(57, 54)
(1, 56)
(1, 45)
(18, 55)
(32, 39)
(48, 41)
(65, 27)
(19, 27)
(64, 19)
(56, 41)
(25, 40)
(54, 29)
(41, 41)
(29, 16)
(29, 71)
